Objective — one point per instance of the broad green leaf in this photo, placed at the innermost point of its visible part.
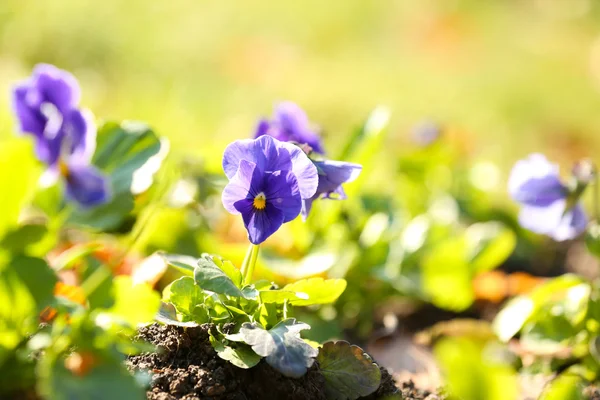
(134, 304)
(489, 245)
(512, 317)
(227, 267)
(349, 372)
(565, 387)
(122, 151)
(267, 314)
(185, 295)
(521, 309)
(315, 291)
(210, 277)
(39, 278)
(184, 264)
(471, 373)
(281, 346)
(168, 315)
(239, 354)
(447, 275)
(547, 333)
(23, 239)
(106, 380)
(18, 177)
(280, 296)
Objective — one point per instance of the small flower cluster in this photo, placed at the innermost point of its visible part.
(47, 108)
(272, 178)
(549, 206)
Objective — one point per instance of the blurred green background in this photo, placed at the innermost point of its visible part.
(509, 77)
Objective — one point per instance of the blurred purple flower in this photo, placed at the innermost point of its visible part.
(47, 107)
(547, 207)
(267, 181)
(332, 174)
(290, 124)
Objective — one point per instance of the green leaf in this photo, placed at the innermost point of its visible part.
(167, 315)
(489, 245)
(565, 387)
(210, 277)
(39, 278)
(58, 383)
(184, 264)
(278, 296)
(122, 151)
(23, 239)
(592, 238)
(18, 177)
(134, 304)
(518, 311)
(318, 291)
(185, 295)
(239, 354)
(447, 275)
(227, 267)
(281, 346)
(349, 372)
(472, 372)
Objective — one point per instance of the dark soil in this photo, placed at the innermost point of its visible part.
(410, 392)
(186, 366)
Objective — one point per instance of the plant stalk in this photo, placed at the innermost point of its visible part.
(249, 264)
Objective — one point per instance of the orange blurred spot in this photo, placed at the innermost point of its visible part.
(71, 292)
(80, 363)
(495, 286)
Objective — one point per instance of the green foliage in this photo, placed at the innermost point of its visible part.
(349, 372)
(129, 153)
(282, 346)
(472, 372)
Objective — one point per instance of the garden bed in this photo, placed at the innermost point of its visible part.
(186, 366)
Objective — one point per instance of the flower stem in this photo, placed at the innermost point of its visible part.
(249, 264)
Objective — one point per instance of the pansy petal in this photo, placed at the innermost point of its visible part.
(245, 184)
(571, 225)
(260, 224)
(535, 181)
(292, 120)
(29, 118)
(261, 128)
(263, 152)
(282, 193)
(306, 207)
(57, 86)
(81, 131)
(543, 220)
(270, 155)
(86, 185)
(333, 173)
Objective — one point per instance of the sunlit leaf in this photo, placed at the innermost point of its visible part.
(281, 346)
(18, 175)
(239, 354)
(134, 304)
(349, 372)
(315, 291)
(167, 314)
(210, 277)
(489, 244)
(565, 387)
(227, 267)
(185, 295)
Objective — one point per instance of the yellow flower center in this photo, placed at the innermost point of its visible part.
(260, 201)
(63, 169)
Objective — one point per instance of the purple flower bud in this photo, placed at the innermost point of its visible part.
(547, 205)
(47, 107)
(332, 174)
(290, 124)
(267, 181)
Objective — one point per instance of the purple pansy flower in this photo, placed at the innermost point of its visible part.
(290, 124)
(548, 207)
(47, 107)
(331, 176)
(267, 181)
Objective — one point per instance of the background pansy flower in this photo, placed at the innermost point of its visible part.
(332, 174)
(290, 124)
(47, 107)
(548, 206)
(267, 181)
